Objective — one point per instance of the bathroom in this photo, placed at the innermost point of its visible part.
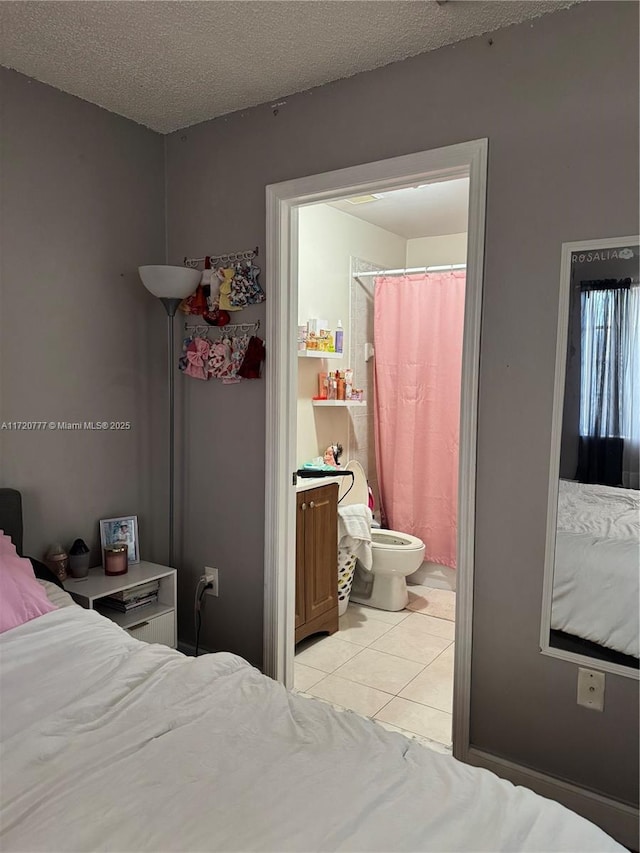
(393, 665)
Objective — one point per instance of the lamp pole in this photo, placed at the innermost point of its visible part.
(171, 306)
(170, 285)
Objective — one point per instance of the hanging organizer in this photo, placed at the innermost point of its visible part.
(198, 328)
(222, 260)
(229, 283)
(235, 353)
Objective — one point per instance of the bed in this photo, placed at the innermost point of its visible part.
(596, 583)
(111, 744)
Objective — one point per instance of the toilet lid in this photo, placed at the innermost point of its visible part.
(359, 494)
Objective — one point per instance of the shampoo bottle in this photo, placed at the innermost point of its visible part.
(339, 337)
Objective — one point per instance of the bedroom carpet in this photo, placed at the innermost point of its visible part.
(395, 668)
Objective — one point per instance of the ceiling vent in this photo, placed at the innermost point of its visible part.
(364, 199)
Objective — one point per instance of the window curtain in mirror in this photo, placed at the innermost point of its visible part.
(630, 406)
(418, 332)
(606, 404)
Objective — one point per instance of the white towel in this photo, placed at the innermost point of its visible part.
(354, 532)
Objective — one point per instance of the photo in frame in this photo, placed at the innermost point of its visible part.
(123, 529)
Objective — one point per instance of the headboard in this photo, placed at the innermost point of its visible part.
(11, 516)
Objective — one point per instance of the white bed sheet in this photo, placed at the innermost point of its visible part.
(596, 582)
(56, 595)
(604, 511)
(110, 744)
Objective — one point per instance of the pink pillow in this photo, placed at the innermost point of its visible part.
(22, 598)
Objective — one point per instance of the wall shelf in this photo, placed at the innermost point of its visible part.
(315, 353)
(342, 403)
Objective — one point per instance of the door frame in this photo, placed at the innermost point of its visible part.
(282, 202)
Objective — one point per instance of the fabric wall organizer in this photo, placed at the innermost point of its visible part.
(232, 354)
(229, 283)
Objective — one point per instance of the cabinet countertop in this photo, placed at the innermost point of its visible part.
(304, 484)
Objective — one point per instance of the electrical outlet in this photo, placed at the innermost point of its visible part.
(211, 576)
(591, 689)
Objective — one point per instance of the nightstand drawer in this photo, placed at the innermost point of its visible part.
(159, 629)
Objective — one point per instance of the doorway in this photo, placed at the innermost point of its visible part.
(459, 162)
(384, 274)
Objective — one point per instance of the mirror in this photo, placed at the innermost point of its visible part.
(592, 570)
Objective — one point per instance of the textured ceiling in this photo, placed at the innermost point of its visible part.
(169, 64)
(425, 211)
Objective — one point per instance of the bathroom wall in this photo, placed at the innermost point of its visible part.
(431, 251)
(80, 338)
(557, 98)
(328, 239)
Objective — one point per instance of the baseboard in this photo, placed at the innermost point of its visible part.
(617, 819)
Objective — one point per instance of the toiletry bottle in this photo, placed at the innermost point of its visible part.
(348, 383)
(331, 387)
(339, 386)
(339, 338)
(322, 386)
(312, 334)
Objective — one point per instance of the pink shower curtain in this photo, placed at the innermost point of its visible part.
(418, 328)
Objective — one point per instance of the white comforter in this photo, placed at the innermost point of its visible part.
(596, 583)
(110, 744)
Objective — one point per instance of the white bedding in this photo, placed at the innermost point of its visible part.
(56, 595)
(114, 745)
(596, 583)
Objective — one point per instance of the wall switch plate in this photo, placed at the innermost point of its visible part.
(591, 689)
(211, 576)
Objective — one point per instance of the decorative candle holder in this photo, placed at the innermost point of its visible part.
(115, 559)
(57, 561)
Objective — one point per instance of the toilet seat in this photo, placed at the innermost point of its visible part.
(393, 540)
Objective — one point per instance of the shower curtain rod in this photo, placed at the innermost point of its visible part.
(412, 270)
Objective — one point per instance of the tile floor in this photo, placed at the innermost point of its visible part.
(396, 668)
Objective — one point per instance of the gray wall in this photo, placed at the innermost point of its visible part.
(81, 339)
(558, 99)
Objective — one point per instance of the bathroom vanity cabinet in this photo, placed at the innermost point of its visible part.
(316, 561)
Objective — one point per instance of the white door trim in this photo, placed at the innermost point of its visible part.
(282, 200)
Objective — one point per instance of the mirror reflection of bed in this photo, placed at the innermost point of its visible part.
(595, 586)
(596, 568)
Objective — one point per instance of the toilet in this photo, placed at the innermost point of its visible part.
(395, 555)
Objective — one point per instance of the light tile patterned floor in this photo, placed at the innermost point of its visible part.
(396, 668)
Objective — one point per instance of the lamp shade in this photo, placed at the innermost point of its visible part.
(168, 282)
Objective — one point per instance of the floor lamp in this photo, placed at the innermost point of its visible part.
(171, 285)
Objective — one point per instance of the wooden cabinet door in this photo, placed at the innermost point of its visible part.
(320, 551)
(300, 523)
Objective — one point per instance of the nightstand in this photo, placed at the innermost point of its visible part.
(152, 623)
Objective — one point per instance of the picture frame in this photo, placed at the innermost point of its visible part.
(121, 529)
